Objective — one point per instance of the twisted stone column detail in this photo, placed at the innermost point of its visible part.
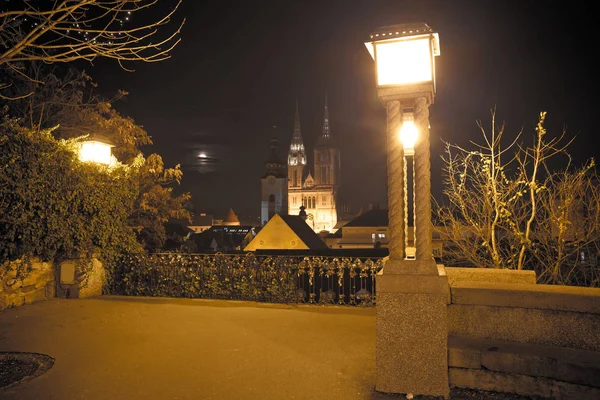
(395, 172)
(423, 226)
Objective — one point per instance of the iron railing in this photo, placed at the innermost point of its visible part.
(265, 278)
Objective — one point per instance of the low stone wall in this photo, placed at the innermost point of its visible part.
(512, 336)
(38, 285)
(94, 282)
(41, 284)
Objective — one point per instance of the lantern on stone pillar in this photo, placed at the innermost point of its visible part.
(412, 293)
(405, 74)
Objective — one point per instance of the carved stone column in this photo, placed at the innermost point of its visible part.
(422, 165)
(412, 295)
(395, 171)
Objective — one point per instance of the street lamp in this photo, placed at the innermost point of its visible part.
(405, 73)
(96, 148)
(412, 295)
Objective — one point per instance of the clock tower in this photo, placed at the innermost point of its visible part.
(274, 184)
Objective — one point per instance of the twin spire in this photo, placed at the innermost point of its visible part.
(297, 145)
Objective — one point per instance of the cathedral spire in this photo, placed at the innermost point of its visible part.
(326, 133)
(325, 140)
(297, 144)
(297, 155)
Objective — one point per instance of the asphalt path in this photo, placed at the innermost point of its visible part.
(115, 347)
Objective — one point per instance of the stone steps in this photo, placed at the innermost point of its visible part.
(522, 368)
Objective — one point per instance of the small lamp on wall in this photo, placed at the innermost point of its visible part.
(96, 149)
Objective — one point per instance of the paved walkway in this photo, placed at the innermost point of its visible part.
(155, 348)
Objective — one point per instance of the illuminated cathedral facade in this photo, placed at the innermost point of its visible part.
(316, 190)
(285, 189)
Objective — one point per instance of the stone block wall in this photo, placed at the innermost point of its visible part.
(95, 281)
(41, 284)
(38, 285)
(508, 334)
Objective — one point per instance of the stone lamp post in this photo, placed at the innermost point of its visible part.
(412, 294)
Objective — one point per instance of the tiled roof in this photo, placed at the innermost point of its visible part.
(375, 217)
(304, 232)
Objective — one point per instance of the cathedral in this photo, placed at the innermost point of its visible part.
(285, 189)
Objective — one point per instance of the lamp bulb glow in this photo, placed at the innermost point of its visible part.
(409, 135)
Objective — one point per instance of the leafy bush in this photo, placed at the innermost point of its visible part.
(54, 207)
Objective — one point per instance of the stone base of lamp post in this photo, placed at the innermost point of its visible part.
(412, 332)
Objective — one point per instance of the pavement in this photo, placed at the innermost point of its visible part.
(115, 347)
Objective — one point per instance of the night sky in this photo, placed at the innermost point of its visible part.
(241, 65)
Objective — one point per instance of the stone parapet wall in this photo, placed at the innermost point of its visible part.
(511, 336)
(561, 316)
(38, 285)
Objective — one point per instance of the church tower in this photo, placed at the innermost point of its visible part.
(296, 155)
(274, 184)
(327, 156)
(296, 166)
(327, 167)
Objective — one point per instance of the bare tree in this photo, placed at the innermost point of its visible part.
(61, 31)
(494, 195)
(566, 235)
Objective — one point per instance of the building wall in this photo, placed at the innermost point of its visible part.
(320, 203)
(355, 237)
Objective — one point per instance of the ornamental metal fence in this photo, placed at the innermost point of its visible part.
(322, 280)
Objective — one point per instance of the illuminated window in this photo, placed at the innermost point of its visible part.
(381, 235)
(373, 237)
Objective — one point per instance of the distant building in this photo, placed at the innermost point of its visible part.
(370, 230)
(274, 184)
(224, 238)
(231, 219)
(201, 222)
(318, 190)
(286, 232)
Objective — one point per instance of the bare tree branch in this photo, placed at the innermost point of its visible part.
(63, 31)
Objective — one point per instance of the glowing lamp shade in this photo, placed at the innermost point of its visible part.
(404, 54)
(95, 151)
(408, 136)
(404, 62)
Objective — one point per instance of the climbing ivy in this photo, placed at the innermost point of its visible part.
(54, 207)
